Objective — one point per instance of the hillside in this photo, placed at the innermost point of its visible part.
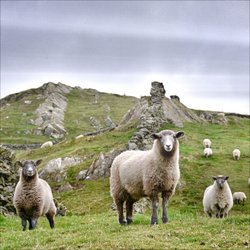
(86, 110)
(91, 223)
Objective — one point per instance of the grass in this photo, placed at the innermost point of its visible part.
(15, 127)
(91, 224)
(101, 231)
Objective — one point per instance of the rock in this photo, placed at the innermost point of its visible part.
(100, 167)
(109, 123)
(9, 176)
(157, 92)
(55, 170)
(95, 123)
(175, 97)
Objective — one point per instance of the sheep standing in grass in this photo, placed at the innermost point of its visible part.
(33, 196)
(136, 174)
(218, 199)
(236, 154)
(207, 143)
(208, 152)
(239, 197)
(47, 144)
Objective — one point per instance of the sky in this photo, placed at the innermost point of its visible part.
(198, 49)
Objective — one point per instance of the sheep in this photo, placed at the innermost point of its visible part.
(137, 174)
(207, 143)
(249, 182)
(208, 152)
(47, 144)
(236, 154)
(79, 136)
(239, 197)
(33, 196)
(218, 199)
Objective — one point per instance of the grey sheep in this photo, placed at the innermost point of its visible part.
(33, 196)
(218, 199)
(137, 174)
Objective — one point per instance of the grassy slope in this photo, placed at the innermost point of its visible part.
(91, 224)
(81, 106)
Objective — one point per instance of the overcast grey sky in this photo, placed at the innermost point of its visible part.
(198, 49)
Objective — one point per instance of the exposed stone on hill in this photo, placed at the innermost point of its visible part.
(100, 167)
(9, 176)
(155, 111)
(55, 170)
(50, 114)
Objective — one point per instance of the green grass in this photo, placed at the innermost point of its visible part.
(82, 106)
(101, 231)
(91, 224)
(15, 127)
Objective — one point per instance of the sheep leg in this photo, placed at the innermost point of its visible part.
(129, 210)
(119, 204)
(155, 205)
(50, 218)
(164, 207)
(32, 223)
(24, 222)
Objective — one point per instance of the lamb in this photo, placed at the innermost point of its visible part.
(208, 152)
(33, 196)
(137, 174)
(218, 199)
(47, 144)
(239, 197)
(236, 154)
(207, 143)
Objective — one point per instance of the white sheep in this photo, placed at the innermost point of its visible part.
(249, 182)
(208, 152)
(79, 136)
(207, 143)
(33, 197)
(136, 174)
(47, 144)
(218, 199)
(239, 197)
(236, 154)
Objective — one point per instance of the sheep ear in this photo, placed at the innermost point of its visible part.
(226, 177)
(179, 134)
(38, 162)
(214, 177)
(156, 136)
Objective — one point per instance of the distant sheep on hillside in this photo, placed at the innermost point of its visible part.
(47, 144)
(208, 152)
(218, 198)
(207, 143)
(236, 154)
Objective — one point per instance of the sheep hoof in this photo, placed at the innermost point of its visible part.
(122, 222)
(129, 221)
(164, 220)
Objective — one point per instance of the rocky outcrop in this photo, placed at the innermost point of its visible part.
(100, 167)
(50, 114)
(9, 177)
(55, 170)
(155, 111)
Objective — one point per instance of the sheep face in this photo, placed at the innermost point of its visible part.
(168, 139)
(29, 168)
(220, 180)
